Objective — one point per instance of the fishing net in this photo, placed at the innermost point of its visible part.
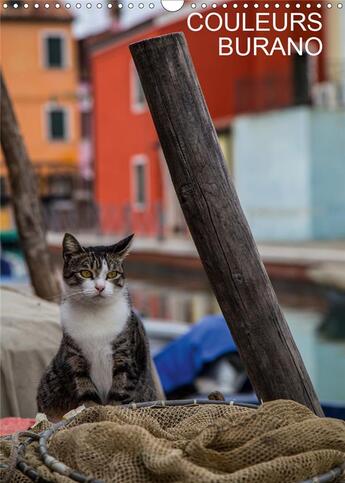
(281, 441)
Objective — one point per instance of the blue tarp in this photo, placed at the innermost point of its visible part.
(5, 269)
(182, 360)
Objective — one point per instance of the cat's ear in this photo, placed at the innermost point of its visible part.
(121, 248)
(70, 246)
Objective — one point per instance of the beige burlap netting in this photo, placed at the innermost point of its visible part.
(280, 442)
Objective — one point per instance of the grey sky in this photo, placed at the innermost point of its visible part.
(93, 20)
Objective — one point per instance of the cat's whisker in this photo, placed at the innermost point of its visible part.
(59, 297)
(54, 298)
(75, 294)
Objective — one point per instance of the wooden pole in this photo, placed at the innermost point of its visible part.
(217, 223)
(26, 203)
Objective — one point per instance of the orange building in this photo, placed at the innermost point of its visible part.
(39, 64)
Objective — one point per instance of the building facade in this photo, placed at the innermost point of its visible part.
(290, 178)
(39, 64)
(133, 188)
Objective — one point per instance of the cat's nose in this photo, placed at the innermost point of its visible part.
(99, 288)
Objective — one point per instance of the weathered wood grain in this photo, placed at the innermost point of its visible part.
(26, 203)
(217, 223)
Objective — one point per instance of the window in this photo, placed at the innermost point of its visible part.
(300, 79)
(54, 51)
(138, 96)
(86, 125)
(4, 191)
(57, 123)
(140, 182)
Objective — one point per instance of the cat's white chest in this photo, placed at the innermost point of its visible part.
(99, 355)
(94, 329)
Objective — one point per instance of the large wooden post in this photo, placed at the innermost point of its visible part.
(26, 202)
(217, 223)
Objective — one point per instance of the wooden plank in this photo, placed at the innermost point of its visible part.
(26, 203)
(217, 223)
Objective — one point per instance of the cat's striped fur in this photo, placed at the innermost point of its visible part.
(104, 356)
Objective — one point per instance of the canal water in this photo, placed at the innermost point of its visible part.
(324, 358)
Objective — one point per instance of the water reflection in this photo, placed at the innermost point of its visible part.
(172, 303)
(324, 359)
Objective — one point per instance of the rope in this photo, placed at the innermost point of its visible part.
(13, 458)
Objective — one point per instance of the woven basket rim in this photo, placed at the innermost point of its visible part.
(186, 402)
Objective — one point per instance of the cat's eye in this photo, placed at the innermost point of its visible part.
(86, 274)
(112, 275)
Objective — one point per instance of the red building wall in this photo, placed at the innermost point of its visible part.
(231, 85)
(120, 134)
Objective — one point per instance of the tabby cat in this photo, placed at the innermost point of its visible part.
(104, 355)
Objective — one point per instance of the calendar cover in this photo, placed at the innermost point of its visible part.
(212, 131)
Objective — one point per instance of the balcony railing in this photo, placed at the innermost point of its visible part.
(109, 219)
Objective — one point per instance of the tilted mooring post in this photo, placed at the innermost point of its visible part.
(26, 202)
(217, 223)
